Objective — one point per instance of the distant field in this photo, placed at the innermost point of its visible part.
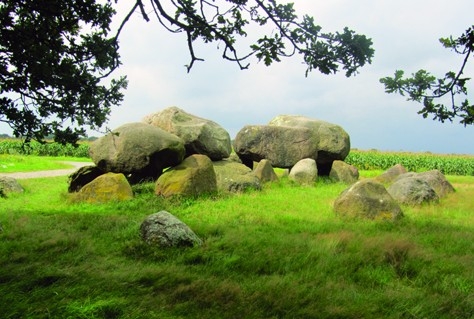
(416, 162)
(363, 160)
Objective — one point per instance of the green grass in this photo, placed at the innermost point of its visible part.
(30, 163)
(277, 253)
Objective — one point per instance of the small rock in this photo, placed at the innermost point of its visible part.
(305, 172)
(162, 229)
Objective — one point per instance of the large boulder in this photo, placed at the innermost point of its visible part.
(164, 230)
(9, 185)
(305, 172)
(333, 141)
(83, 176)
(138, 150)
(109, 187)
(193, 177)
(343, 172)
(367, 199)
(434, 178)
(200, 136)
(235, 177)
(412, 191)
(282, 146)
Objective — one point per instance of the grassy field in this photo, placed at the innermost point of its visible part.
(31, 163)
(277, 253)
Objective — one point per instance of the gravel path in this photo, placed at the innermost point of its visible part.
(49, 173)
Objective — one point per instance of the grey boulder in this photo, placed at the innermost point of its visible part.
(412, 190)
(282, 146)
(9, 185)
(137, 150)
(367, 199)
(305, 172)
(333, 140)
(200, 136)
(163, 229)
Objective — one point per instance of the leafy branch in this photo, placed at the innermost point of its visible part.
(425, 88)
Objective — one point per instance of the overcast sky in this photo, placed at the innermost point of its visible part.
(405, 34)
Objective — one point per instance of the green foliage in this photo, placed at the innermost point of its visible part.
(17, 147)
(53, 58)
(224, 23)
(414, 162)
(278, 253)
(425, 88)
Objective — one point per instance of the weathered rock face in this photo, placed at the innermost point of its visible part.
(108, 187)
(437, 181)
(412, 191)
(305, 172)
(333, 140)
(194, 176)
(282, 146)
(235, 177)
(162, 229)
(200, 136)
(434, 178)
(83, 176)
(9, 185)
(137, 149)
(343, 172)
(367, 199)
(391, 174)
(265, 172)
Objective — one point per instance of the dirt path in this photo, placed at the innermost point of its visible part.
(49, 173)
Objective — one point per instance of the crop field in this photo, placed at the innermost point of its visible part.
(414, 162)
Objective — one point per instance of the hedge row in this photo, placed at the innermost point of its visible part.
(17, 147)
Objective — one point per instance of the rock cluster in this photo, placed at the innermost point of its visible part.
(381, 197)
(187, 155)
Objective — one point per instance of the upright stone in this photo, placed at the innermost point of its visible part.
(265, 172)
(343, 172)
(194, 176)
(305, 172)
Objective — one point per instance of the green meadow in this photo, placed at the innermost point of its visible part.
(276, 253)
